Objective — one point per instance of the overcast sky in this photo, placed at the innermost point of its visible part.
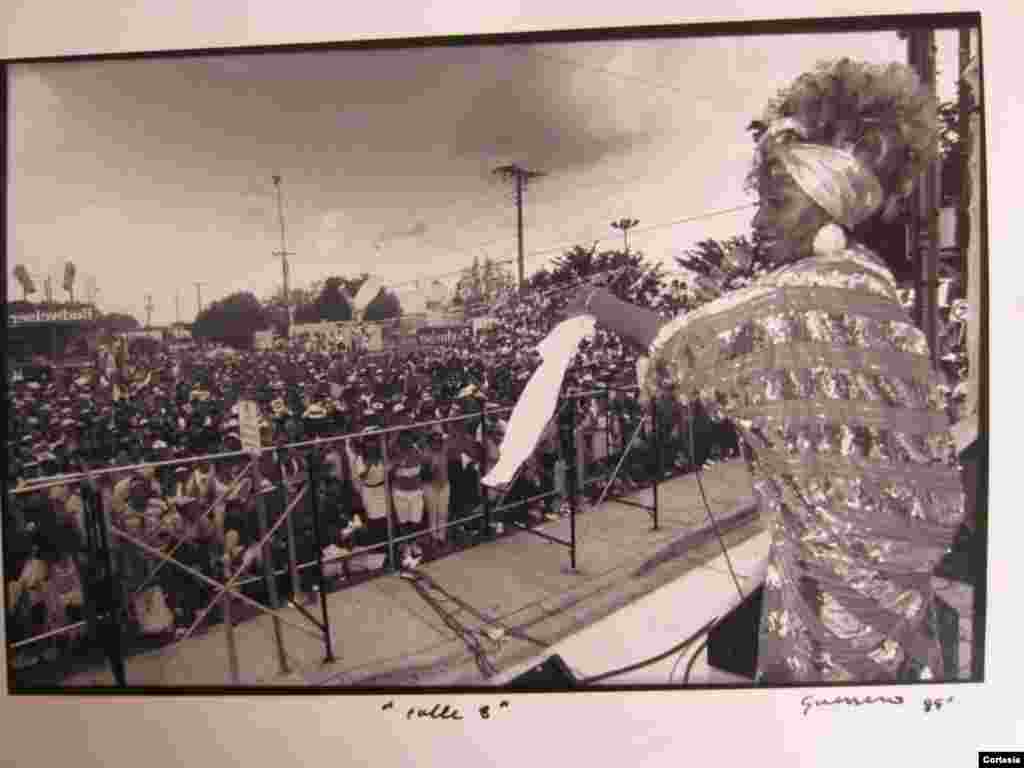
(156, 173)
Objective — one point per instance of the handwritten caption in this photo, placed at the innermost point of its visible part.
(443, 711)
(928, 704)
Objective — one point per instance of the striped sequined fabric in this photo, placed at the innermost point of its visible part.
(830, 384)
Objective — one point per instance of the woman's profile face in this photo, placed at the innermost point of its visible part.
(787, 219)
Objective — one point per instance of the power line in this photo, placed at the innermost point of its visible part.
(652, 227)
(542, 199)
(534, 254)
(539, 198)
(499, 262)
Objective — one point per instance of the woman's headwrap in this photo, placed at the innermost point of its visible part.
(834, 178)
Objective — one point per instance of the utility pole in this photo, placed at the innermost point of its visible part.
(925, 216)
(283, 253)
(521, 176)
(963, 129)
(199, 299)
(625, 225)
(149, 310)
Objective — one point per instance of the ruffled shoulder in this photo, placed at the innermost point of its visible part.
(669, 361)
(664, 368)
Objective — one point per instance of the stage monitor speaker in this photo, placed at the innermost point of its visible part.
(947, 619)
(732, 644)
(550, 674)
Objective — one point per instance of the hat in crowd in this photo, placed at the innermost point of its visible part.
(315, 411)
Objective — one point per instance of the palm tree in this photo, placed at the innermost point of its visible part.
(22, 276)
(69, 280)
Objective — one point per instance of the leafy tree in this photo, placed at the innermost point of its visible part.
(579, 263)
(483, 284)
(495, 280)
(118, 322)
(331, 303)
(718, 267)
(22, 276)
(469, 289)
(70, 273)
(539, 281)
(232, 320)
(384, 307)
(353, 284)
(634, 280)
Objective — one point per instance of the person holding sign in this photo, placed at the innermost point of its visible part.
(829, 383)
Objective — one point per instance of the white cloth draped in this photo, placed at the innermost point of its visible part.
(537, 404)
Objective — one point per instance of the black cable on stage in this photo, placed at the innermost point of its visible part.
(693, 658)
(707, 628)
(707, 506)
(653, 660)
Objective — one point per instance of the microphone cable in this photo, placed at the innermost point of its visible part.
(704, 631)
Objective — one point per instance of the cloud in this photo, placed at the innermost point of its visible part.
(533, 112)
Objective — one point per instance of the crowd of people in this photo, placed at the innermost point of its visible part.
(182, 406)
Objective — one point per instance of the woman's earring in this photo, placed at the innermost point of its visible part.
(830, 240)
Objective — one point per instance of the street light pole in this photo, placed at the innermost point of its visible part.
(199, 299)
(625, 225)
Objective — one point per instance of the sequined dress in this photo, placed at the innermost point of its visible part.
(853, 465)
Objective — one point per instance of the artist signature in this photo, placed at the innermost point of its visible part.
(807, 703)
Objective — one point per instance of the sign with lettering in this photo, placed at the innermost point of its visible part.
(445, 335)
(62, 316)
(249, 425)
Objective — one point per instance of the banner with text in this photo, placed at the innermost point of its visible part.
(444, 335)
(64, 316)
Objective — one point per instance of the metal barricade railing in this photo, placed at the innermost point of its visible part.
(105, 579)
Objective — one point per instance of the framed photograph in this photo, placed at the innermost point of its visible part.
(455, 369)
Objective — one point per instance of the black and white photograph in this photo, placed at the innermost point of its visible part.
(638, 358)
